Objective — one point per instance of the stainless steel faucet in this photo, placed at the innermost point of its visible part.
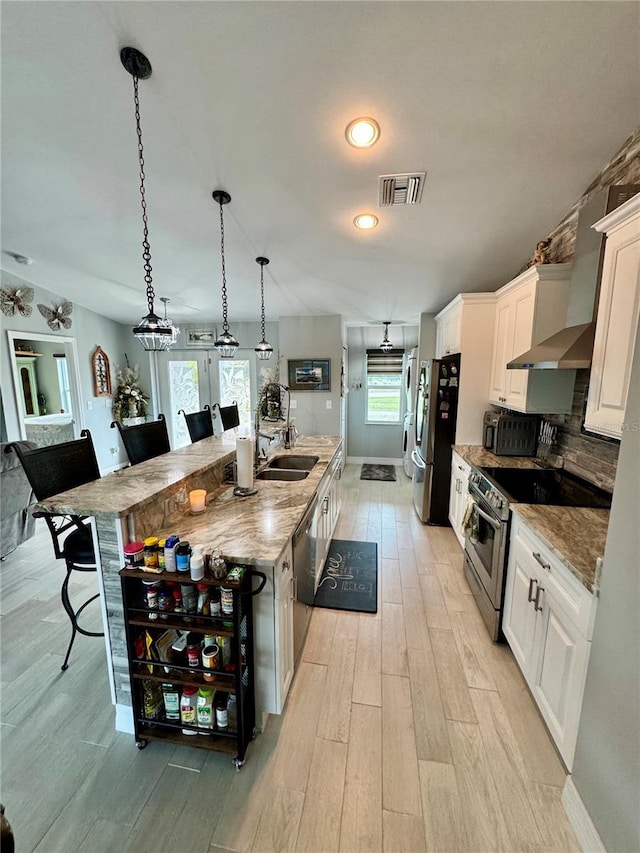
(257, 433)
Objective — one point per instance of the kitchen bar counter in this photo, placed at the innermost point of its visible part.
(141, 501)
(575, 535)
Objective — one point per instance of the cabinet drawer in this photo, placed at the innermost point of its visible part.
(574, 600)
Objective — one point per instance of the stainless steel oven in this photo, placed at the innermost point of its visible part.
(486, 549)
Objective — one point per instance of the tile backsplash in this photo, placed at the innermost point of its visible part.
(589, 456)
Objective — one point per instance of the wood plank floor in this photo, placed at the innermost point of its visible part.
(405, 730)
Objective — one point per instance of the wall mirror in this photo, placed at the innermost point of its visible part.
(46, 385)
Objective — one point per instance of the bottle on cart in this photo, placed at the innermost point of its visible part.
(183, 556)
(188, 713)
(153, 704)
(189, 597)
(205, 713)
(194, 644)
(232, 713)
(196, 564)
(203, 599)
(220, 704)
(170, 545)
(171, 696)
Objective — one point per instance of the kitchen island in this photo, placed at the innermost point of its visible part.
(151, 499)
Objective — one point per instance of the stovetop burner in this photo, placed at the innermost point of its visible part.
(545, 486)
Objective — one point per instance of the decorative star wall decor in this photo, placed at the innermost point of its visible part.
(14, 299)
(58, 317)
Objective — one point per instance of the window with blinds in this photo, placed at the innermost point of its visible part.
(384, 386)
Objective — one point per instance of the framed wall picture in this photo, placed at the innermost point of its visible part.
(309, 374)
(205, 336)
(101, 371)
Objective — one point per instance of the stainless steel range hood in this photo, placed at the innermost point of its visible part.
(572, 347)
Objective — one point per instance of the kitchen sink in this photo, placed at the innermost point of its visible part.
(281, 474)
(293, 463)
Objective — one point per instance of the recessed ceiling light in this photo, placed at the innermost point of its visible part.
(365, 221)
(362, 132)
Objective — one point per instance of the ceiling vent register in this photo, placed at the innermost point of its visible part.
(401, 189)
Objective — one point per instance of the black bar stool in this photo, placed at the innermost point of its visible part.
(51, 470)
(144, 441)
(229, 415)
(199, 424)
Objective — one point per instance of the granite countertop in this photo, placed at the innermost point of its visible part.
(256, 529)
(476, 455)
(575, 535)
(129, 489)
(251, 530)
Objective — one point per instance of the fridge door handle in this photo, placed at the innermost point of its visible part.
(417, 460)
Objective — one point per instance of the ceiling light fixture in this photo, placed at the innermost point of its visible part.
(386, 345)
(264, 349)
(151, 332)
(175, 331)
(362, 132)
(226, 343)
(365, 221)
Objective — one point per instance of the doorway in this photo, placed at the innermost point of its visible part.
(190, 380)
(47, 387)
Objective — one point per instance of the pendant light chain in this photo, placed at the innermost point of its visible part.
(225, 324)
(146, 248)
(262, 318)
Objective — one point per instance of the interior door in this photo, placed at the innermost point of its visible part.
(186, 380)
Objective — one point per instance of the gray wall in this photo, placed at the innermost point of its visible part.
(89, 330)
(606, 770)
(313, 337)
(376, 441)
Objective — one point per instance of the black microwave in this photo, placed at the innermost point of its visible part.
(507, 434)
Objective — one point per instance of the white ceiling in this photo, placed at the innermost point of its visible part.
(511, 108)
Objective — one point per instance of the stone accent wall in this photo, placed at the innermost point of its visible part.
(592, 457)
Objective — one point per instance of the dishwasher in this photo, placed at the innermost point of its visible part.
(304, 576)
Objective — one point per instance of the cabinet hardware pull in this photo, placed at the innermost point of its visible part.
(537, 601)
(532, 581)
(538, 558)
(285, 566)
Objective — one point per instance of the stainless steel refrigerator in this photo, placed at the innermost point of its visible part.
(435, 422)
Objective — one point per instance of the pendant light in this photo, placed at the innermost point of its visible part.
(386, 345)
(264, 349)
(152, 333)
(226, 343)
(175, 331)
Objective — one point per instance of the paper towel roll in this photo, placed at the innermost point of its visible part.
(244, 462)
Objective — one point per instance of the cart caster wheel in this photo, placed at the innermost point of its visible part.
(141, 743)
(238, 763)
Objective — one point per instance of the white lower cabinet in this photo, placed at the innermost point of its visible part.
(548, 622)
(273, 637)
(284, 626)
(459, 490)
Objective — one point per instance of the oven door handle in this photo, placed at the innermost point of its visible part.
(492, 521)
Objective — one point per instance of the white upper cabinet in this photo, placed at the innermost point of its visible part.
(529, 309)
(617, 320)
(465, 326)
(448, 327)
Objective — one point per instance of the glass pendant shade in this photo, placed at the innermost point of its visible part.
(226, 345)
(264, 350)
(386, 345)
(153, 334)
